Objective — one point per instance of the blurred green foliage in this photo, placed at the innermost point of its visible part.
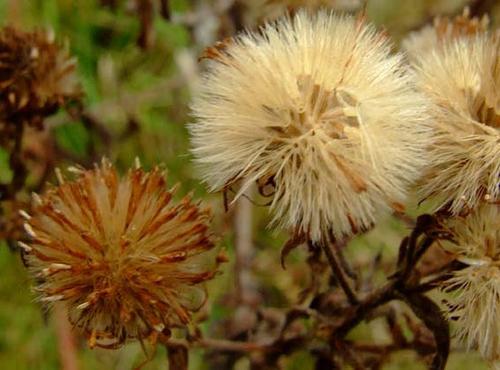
(122, 82)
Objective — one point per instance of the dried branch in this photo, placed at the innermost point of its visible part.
(177, 356)
(339, 273)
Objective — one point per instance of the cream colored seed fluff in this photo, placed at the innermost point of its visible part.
(475, 297)
(442, 30)
(318, 106)
(463, 79)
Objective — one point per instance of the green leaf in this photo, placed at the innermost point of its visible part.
(73, 137)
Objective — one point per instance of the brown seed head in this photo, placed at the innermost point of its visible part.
(125, 259)
(36, 76)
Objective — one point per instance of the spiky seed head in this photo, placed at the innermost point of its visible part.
(124, 258)
(463, 80)
(37, 76)
(442, 31)
(475, 290)
(318, 108)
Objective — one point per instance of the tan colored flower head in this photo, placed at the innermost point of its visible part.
(443, 30)
(475, 302)
(126, 259)
(317, 107)
(36, 76)
(463, 80)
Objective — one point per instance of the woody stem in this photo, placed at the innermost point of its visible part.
(339, 273)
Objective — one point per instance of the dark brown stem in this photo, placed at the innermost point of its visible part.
(178, 358)
(359, 312)
(481, 7)
(339, 273)
(165, 9)
(145, 10)
(337, 247)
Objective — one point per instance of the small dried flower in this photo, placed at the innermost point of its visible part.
(443, 30)
(36, 76)
(318, 109)
(463, 80)
(476, 300)
(125, 259)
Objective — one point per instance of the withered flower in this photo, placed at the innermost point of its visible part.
(125, 259)
(462, 78)
(443, 30)
(36, 77)
(317, 109)
(475, 290)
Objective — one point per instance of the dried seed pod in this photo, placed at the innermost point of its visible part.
(36, 77)
(317, 107)
(474, 300)
(126, 259)
(462, 78)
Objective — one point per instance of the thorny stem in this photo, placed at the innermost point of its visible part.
(339, 274)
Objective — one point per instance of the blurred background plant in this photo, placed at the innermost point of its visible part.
(136, 63)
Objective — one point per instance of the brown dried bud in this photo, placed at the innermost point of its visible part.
(125, 259)
(36, 76)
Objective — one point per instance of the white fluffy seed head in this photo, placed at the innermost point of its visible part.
(475, 290)
(463, 79)
(320, 109)
(442, 30)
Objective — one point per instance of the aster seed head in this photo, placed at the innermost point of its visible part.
(443, 30)
(462, 78)
(37, 76)
(317, 108)
(125, 259)
(475, 290)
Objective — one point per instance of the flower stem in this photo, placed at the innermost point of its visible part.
(339, 274)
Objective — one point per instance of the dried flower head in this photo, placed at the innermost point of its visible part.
(126, 260)
(463, 80)
(36, 76)
(317, 108)
(443, 30)
(475, 303)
